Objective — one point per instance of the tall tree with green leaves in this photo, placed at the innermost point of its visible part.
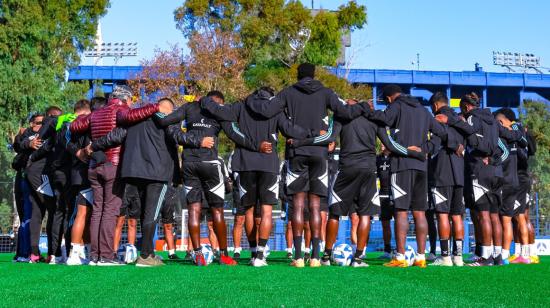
(39, 41)
(536, 117)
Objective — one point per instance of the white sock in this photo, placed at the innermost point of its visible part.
(533, 250)
(307, 250)
(525, 251)
(421, 257)
(76, 248)
(497, 251)
(505, 254)
(399, 256)
(486, 251)
(171, 252)
(517, 249)
(237, 250)
(289, 250)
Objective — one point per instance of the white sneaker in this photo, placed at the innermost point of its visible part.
(257, 262)
(325, 263)
(442, 261)
(385, 256)
(457, 261)
(53, 260)
(76, 259)
(431, 257)
(359, 264)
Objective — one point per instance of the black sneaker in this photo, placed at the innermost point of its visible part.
(498, 260)
(188, 256)
(289, 255)
(174, 257)
(109, 262)
(484, 262)
(307, 257)
(237, 255)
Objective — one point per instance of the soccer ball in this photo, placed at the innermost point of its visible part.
(410, 255)
(208, 253)
(342, 254)
(131, 254)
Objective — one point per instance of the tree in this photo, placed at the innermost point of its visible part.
(536, 117)
(39, 40)
(161, 76)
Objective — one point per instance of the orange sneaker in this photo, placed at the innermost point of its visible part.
(420, 263)
(397, 263)
(227, 260)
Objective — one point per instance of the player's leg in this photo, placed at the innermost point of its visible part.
(121, 219)
(251, 231)
(432, 233)
(248, 186)
(401, 183)
(386, 214)
(368, 205)
(58, 222)
(267, 191)
(307, 237)
(419, 205)
(318, 187)
(288, 238)
(212, 237)
(238, 225)
(442, 199)
(531, 236)
(315, 226)
(324, 220)
(456, 212)
(194, 226)
(353, 230)
(298, 201)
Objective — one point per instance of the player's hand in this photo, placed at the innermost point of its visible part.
(414, 148)
(88, 149)
(486, 161)
(322, 132)
(36, 143)
(266, 147)
(460, 150)
(441, 118)
(207, 142)
(351, 101)
(290, 141)
(82, 155)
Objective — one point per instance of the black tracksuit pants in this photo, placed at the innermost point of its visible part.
(40, 204)
(152, 194)
(61, 189)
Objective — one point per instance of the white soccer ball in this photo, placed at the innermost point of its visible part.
(131, 254)
(410, 255)
(342, 254)
(208, 253)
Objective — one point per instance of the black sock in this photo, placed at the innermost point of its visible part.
(316, 247)
(477, 250)
(224, 252)
(387, 248)
(327, 254)
(197, 249)
(253, 249)
(358, 254)
(444, 247)
(297, 247)
(262, 242)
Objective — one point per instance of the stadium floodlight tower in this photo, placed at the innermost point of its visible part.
(116, 50)
(524, 61)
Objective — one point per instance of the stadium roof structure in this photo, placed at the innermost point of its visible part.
(497, 89)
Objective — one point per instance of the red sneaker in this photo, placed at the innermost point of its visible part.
(199, 260)
(227, 260)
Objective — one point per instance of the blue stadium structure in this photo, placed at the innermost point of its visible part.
(497, 89)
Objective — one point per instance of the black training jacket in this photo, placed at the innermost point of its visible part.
(20, 160)
(510, 141)
(306, 104)
(410, 123)
(358, 143)
(447, 167)
(79, 169)
(526, 152)
(38, 159)
(256, 128)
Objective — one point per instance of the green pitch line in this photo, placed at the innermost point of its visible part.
(182, 284)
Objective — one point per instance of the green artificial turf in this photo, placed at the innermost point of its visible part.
(181, 284)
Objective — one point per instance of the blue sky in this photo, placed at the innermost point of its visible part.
(448, 35)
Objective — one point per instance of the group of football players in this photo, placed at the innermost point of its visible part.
(111, 161)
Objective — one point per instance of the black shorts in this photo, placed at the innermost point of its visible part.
(509, 202)
(204, 179)
(307, 174)
(410, 190)
(84, 196)
(171, 201)
(483, 191)
(386, 208)
(523, 194)
(354, 190)
(257, 187)
(131, 202)
(448, 199)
